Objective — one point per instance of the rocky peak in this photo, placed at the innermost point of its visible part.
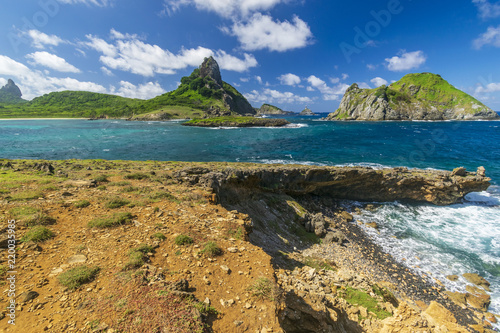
(353, 86)
(210, 68)
(11, 88)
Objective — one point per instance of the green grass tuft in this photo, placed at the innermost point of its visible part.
(78, 276)
(26, 195)
(358, 297)
(136, 176)
(38, 234)
(81, 204)
(183, 240)
(111, 221)
(160, 236)
(22, 211)
(263, 288)
(211, 249)
(116, 203)
(39, 219)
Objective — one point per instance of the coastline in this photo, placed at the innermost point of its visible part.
(227, 193)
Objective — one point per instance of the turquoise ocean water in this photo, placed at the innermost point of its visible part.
(440, 240)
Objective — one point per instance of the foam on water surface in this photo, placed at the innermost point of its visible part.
(442, 241)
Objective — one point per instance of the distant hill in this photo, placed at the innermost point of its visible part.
(11, 94)
(268, 109)
(203, 90)
(203, 93)
(423, 96)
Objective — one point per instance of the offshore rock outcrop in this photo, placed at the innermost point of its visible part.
(352, 183)
(422, 96)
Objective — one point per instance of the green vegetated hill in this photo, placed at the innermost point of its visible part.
(424, 96)
(268, 109)
(203, 93)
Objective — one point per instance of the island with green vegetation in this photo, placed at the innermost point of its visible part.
(202, 94)
(423, 96)
(268, 109)
(232, 121)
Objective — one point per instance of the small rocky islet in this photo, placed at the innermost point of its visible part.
(420, 96)
(240, 247)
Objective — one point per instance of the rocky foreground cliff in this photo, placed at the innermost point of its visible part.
(424, 96)
(120, 246)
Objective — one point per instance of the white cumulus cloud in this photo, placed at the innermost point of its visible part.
(289, 79)
(487, 9)
(135, 56)
(52, 61)
(490, 37)
(262, 32)
(141, 91)
(275, 96)
(39, 39)
(106, 71)
(329, 93)
(34, 83)
(378, 81)
(406, 61)
(489, 88)
(224, 8)
(232, 63)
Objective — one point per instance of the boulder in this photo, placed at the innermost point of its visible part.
(336, 236)
(28, 296)
(316, 223)
(481, 171)
(477, 280)
(461, 172)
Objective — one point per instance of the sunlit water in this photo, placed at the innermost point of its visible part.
(440, 240)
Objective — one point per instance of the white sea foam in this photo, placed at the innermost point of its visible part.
(288, 161)
(298, 125)
(375, 166)
(443, 241)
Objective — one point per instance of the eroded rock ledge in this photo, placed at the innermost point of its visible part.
(352, 183)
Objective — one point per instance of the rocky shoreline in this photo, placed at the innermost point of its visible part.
(237, 122)
(292, 259)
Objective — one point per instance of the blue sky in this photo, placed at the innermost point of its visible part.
(290, 53)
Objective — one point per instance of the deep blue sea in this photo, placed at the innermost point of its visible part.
(440, 240)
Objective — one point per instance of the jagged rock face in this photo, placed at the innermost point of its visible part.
(12, 89)
(423, 96)
(210, 68)
(362, 184)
